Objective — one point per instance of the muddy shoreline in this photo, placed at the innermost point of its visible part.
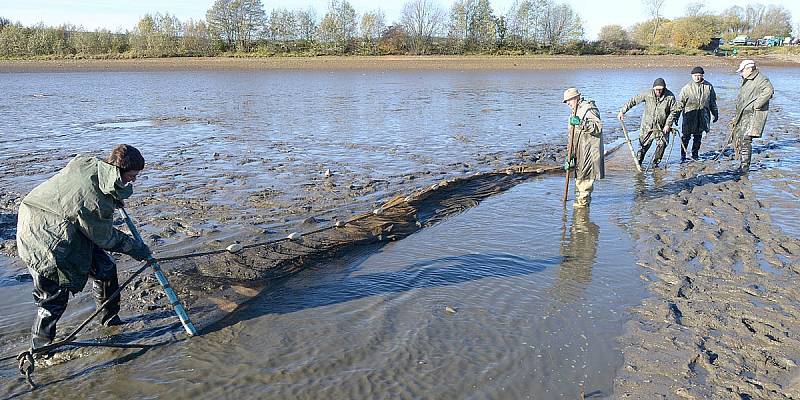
(722, 319)
(332, 63)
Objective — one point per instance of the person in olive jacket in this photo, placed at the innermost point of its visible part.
(660, 111)
(587, 146)
(698, 103)
(752, 108)
(64, 228)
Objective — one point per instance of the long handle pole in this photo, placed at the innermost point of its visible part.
(671, 146)
(173, 298)
(570, 133)
(630, 147)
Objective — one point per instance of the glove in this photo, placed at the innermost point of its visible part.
(716, 118)
(575, 120)
(140, 252)
(568, 164)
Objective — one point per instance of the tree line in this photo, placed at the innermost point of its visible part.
(698, 25)
(425, 27)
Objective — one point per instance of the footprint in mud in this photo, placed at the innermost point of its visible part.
(675, 313)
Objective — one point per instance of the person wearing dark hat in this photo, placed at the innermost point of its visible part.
(698, 103)
(660, 111)
(587, 146)
(752, 109)
(64, 230)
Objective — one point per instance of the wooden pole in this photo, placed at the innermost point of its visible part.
(570, 133)
(630, 146)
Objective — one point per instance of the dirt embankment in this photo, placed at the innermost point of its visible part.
(466, 63)
(723, 321)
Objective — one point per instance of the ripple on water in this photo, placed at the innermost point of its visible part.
(533, 309)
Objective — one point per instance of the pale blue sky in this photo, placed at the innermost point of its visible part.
(122, 15)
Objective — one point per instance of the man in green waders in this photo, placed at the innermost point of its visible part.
(752, 108)
(698, 102)
(660, 111)
(587, 146)
(64, 229)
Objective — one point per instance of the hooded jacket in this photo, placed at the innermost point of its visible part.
(587, 142)
(62, 219)
(752, 105)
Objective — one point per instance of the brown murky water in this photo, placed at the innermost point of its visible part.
(539, 294)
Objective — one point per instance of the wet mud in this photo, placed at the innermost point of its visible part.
(415, 63)
(719, 251)
(722, 259)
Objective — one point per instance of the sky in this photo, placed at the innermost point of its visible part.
(116, 15)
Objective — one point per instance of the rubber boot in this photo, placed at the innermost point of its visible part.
(696, 140)
(746, 155)
(51, 302)
(685, 140)
(643, 149)
(660, 147)
(102, 291)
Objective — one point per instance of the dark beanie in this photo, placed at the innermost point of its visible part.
(698, 70)
(660, 82)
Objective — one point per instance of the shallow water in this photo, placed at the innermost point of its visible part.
(537, 296)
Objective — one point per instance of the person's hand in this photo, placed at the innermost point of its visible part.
(141, 252)
(716, 118)
(575, 120)
(621, 117)
(568, 164)
(666, 130)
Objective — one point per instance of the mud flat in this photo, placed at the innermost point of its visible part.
(465, 63)
(720, 251)
(722, 256)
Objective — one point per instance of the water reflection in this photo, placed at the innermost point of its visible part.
(578, 252)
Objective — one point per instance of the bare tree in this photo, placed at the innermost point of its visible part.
(282, 25)
(777, 22)
(614, 35)
(221, 22)
(372, 27)
(562, 25)
(695, 9)
(422, 20)
(236, 22)
(306, 24)
(734, 19)
(526, 21)
(472, 23)
(654, 11)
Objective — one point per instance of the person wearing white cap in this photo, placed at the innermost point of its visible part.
(660, 111)
(752, 108)
(587, 146)
(698, 103)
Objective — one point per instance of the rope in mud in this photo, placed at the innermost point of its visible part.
(264, 243)
(377, 211)
(26, 361)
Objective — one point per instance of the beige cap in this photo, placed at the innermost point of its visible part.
(745, 64)
(571, 93)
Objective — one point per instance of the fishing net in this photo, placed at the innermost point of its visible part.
(212, 284)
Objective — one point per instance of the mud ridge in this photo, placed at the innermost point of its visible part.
(722, 321)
